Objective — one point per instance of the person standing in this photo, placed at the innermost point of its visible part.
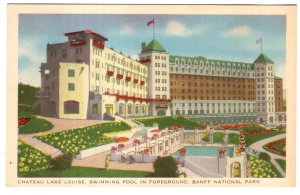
(106, 162)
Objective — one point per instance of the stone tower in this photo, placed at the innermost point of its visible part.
(265, 100)
(155, 56)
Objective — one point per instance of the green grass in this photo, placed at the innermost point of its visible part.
(87, 172)
(250, 139)
(31, 159)
(75, 140)
(282, 163)
(218, 138)
(167, 121)
(35, 125)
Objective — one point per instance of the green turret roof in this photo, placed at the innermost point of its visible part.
(154, 45)
(263, 59)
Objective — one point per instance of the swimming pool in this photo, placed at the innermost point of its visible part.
(205, 151)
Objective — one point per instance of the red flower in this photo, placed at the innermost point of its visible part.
(119, 76)
(121, 145)
(136, 141)
(110, 73)
(23, 121)
(182, 151)
(113, 148)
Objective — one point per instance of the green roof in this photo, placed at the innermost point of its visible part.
(277, 78)
(154, 45)
(263, 59)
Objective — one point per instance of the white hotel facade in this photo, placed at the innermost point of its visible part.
(84, 79)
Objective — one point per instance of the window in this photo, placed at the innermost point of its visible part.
(71, 73)
(71, 86)
(71, 107)
(95, 108)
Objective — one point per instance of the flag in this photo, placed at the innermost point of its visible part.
(258, 41)
(150, 22)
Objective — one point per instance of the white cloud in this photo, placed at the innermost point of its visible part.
(240, 31)
(29, 71)
(126, 29)
(177, 28)
(30, 76)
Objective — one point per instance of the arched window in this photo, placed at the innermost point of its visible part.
(71, 107)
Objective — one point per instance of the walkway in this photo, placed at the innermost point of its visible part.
(259, 146)
(59, 125)
(98, 161)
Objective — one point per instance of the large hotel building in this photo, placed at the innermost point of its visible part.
(85, 79)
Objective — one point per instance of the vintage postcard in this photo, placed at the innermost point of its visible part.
(151, 95)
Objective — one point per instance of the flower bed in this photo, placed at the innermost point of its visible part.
(75, 140)
(277, 147)
(259, 131)
(34, 125)
(262, 169)
(30, 159)
(23, 121)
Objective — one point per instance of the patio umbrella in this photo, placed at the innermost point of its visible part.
(121, 139)
(155, 131)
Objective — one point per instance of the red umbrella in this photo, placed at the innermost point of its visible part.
(121, 139)
(155, 131)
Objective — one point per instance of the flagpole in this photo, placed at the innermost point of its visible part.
(261, 45)
(153, 29)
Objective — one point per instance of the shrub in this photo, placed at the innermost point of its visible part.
(165, 167)
(62, 162)
(264, 156)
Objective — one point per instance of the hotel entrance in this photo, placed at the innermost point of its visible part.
(109, 109)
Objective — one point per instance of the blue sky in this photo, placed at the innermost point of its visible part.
(223, 37)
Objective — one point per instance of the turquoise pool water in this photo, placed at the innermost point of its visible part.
(205, 151)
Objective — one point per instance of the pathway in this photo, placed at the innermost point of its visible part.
(59, 125)
(259, 146)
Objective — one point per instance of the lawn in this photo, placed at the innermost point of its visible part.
(263, 169)
(252, 138)
(35, 125)
(167, 121)
(87, 172)
(282, 163)
(30, 159)
(218, 138)
(75, 140)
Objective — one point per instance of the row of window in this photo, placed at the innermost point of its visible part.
(213, 104)
(196, 112)
(212, 64)
(164, 73)
(212, 91)
(212, 78)
(162, 80)
(211, 98)
(211, 72)
(161, 88)
(176, 83)
(163, 65)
